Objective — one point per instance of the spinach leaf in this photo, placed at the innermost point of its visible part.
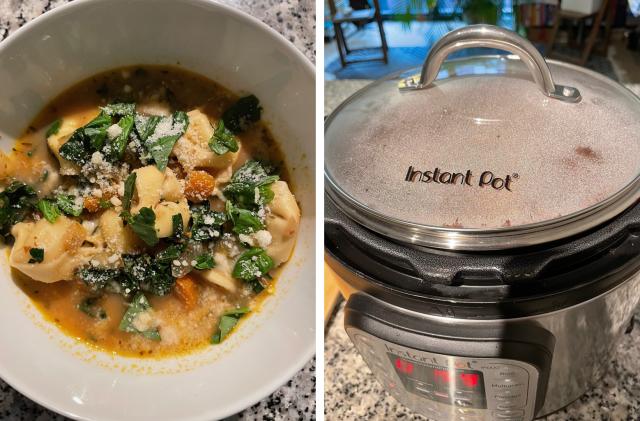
(242, 114)
(252, 264)
(244, 221)
(96, 278)
(95, 132)
(129, 186)
(223, 140)
(67, 204)
(49, 210)
(143, 224)
(207, 224)
(16, 202)
(37, 255)
(250, 185)
(146, 125)
(170, 254)
(166, 133)
(90, 307)
(121, 109)
(138, 306)
(114, 151)
(204, 261)
(252, 172)
(177, 224)
(147, 274)
(86, 140)
(74, 150)
(256, 286)
(54, 128)
(227, 322)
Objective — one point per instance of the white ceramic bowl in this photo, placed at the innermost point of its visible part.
(88, 36)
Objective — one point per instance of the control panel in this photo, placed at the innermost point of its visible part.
(447, 387)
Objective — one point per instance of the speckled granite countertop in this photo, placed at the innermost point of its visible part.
(352, 393)
(295, 20)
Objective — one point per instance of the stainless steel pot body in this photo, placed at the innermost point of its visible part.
(585, 337)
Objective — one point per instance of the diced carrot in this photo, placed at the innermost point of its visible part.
(199, 186)
(187, 291)
(91, 204)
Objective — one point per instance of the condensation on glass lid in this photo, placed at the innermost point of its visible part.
(485, 151)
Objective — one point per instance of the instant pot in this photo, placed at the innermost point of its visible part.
(481, 216)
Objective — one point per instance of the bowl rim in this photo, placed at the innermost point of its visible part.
(248, 400)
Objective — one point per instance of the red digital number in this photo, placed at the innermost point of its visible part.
(442, 375)
(469, 379)
(404, 366)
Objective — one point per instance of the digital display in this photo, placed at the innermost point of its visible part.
(453, 386)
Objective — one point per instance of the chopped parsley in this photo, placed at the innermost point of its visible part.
(223, 140)
(49, 210)
(227, 322)
(54, 128)
(252, 264)
(139, 305)
(242, 114)
(37, 255)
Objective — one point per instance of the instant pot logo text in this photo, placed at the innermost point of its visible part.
(468, 178)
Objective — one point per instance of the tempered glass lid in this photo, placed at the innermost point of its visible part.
(493, 154)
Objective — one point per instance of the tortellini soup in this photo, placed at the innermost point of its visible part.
(147, 210)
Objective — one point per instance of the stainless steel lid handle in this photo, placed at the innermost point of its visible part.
(492, 37)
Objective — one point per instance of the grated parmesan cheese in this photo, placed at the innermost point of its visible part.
(114, 131)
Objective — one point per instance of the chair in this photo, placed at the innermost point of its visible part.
(588, 47)
(358, 17)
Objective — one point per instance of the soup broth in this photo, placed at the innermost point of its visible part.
(218, 255)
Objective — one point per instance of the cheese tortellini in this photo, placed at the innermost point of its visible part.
(55, 141)
(118, 238)
(221, 274)
(163, 193)
(192, 149)
(282, 222)
(63, 243)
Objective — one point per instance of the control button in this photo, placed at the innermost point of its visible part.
(464, 393)
(424, 391)
(466, 411)
(515, 413)
(462, 402)
(508, 405)
(508, 395)
(467, 418)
